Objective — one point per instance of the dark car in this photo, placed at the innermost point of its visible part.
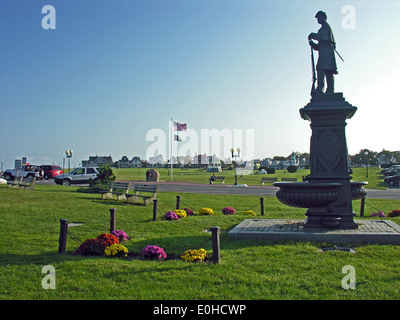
(51, 171)
(393, 180)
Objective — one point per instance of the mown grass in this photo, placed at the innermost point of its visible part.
(249, 269)
(374, 179)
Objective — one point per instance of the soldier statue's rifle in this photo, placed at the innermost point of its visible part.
(314, 77)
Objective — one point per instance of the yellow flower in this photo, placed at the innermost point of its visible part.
(206, 211)
(194, 255)
(116, 250)
(249, 212)
(180, 213)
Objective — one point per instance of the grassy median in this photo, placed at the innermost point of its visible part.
(249, 269)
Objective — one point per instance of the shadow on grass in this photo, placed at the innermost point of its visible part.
(173, 246)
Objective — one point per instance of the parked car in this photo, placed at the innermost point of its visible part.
(51, 171)
(77, 176)
(391, 172)
(391, 168)
(393, 180)
(27, 170)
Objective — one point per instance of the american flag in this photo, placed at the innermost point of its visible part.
(179, 126)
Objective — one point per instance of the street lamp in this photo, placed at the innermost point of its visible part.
(69, 156)
(366, 164)
(235, 156)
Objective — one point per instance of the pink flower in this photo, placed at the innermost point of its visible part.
(228, 210)
(170, 215)
(121, 235)
(151, 252)
(379, 214)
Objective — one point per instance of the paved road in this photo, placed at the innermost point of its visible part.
(255, 190)
(188, 187)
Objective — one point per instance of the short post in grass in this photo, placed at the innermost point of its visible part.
(155, 209)
(262, 206)
(112, 219)
(62, 242)
(178, 201)
(215, 244)
(362, 207)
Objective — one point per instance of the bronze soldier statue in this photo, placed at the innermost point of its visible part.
(326, 47)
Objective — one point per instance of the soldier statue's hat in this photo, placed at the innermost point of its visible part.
(321, 14)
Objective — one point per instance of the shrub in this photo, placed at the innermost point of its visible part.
(291, 169)
(107, 239)
(206, 211)
(270, 170)
(105, 175)
(394, 213)
(90, 247)
(228, 210)
(151, 252)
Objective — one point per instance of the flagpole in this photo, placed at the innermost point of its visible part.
(171, 140)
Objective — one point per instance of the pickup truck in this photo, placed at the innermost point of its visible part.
(77, 176)
(26, 171)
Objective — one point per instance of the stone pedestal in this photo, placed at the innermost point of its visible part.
(329, 159)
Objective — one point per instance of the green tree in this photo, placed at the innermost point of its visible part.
(105, 175)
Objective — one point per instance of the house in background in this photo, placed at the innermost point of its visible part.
(96, 161)
(126, 163)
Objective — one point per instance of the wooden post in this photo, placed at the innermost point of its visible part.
(178, 201)
(155, 209)
(215, 244)
(262, 206)
(112, 219)
(362, 207)
(62, 242)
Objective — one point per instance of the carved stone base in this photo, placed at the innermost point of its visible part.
(329, 166)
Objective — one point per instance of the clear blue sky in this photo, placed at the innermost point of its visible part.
(113, 70)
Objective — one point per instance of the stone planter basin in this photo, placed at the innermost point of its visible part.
(357, 189)
(307, 194)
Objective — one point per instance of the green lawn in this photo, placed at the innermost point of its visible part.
(375, 178)
(249, 269)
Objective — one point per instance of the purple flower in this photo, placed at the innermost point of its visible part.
(121, 235)
(170, 215)
(379, 214)
(153, 252)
